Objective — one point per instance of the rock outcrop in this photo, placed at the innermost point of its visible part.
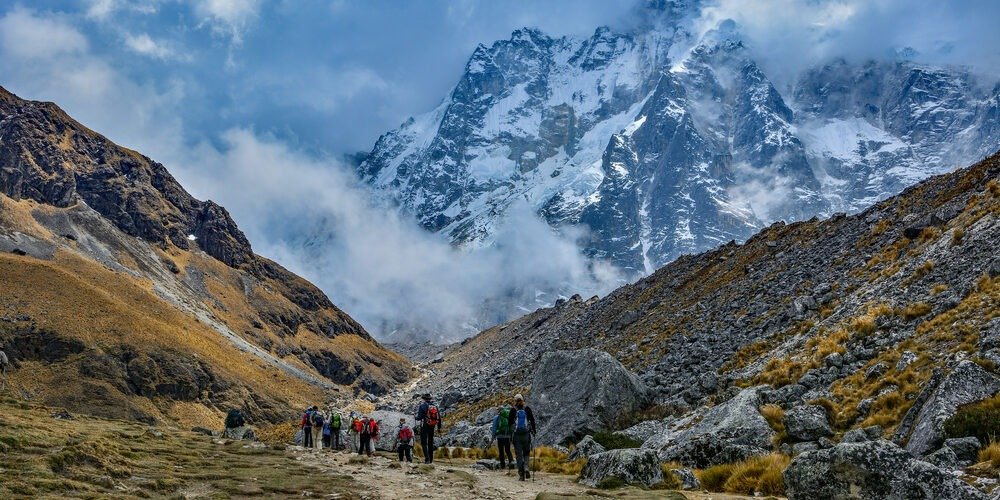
(967, 383)
(586, 448)
(807, 423)
(574, 393)
(729, 432)
(632, 466)
(871, 470)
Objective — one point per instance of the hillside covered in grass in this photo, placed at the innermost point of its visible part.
(123, 296)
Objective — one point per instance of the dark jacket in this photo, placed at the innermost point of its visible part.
(512, 418)
(422, 413)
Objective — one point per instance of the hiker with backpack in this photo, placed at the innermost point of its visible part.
(429, 417)
(367, 431)
(355, 431)
(404, 441)
(334, 423)
(317, 428)
(306, 425)
(522, 421)
(502, 433)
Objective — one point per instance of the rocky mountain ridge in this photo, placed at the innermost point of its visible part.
(886, 318)
(103, 227)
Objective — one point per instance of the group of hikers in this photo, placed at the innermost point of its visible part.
(513, 426)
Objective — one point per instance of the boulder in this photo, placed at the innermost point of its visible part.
(729, 432)
(242, 433)
(966, 449)
(644, 430)
(487, 464)
(689, 481)
(465, 435)
(871, 470)
(586, 448)
(967, 383)
(861, 435)
(945, 459)
(807, 423)
(575, 393)
(632, 465)
(388, 422)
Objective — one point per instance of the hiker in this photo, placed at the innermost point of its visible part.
(326, 434)
(317, 428)
(430, 420)
(355, 431)
(501, 432)
(306, 425)
(366, 433)
(334, 423)
(522, 421)
(404, 441)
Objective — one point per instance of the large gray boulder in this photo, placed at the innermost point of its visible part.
(631, 465)
(807, 423)
(732, 431)
(586, 448)
(388, 422)
(574, 393)
(644, 430)
(871, 470)
(465, 435)
(967, 383)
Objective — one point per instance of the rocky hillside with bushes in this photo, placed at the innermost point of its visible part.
(121, 295)
(881, 327)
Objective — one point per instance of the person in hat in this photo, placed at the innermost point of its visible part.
(429, 418)
(522, 422)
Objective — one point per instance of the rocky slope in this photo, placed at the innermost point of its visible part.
(889, 318)
(124, 296)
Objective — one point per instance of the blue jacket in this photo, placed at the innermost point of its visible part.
(422, 413)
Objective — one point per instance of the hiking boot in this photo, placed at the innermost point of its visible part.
(527, 475)
(520, 476)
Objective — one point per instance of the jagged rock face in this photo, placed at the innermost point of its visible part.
(633, 466)
(967, 383)
(578, 392)
(657, 156)
(871, 470)
(50, 158)
(586, 448)
(807, 423)
(732, 431)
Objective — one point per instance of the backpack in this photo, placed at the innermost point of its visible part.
(433, 417)
(234, 419)
(373, 427)
(503, 424)
(522, 420)
(335, 421)
(358, 426)
(307, 418)
(405, 434)
(317, 419)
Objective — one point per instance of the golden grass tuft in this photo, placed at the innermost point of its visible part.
(761, 475)
(956, 236)
(939, 288)
(991, 453)
(914, 311)
(924, 269)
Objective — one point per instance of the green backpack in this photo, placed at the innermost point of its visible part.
(335, 421)
(503, 425)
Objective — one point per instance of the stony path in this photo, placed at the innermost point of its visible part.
(382, 478)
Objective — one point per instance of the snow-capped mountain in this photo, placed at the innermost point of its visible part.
(661, 142)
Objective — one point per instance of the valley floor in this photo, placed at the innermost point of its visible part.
(47, 453)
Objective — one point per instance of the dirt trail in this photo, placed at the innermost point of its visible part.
(382, 478)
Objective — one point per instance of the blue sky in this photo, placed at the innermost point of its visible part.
(326, 76)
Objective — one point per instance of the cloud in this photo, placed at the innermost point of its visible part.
(145, 45)
(229, 18)
(26, 36)
(790, 36)
(380, 266)
(43, 56)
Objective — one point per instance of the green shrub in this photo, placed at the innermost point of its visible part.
(614, 441)
(981, 420)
